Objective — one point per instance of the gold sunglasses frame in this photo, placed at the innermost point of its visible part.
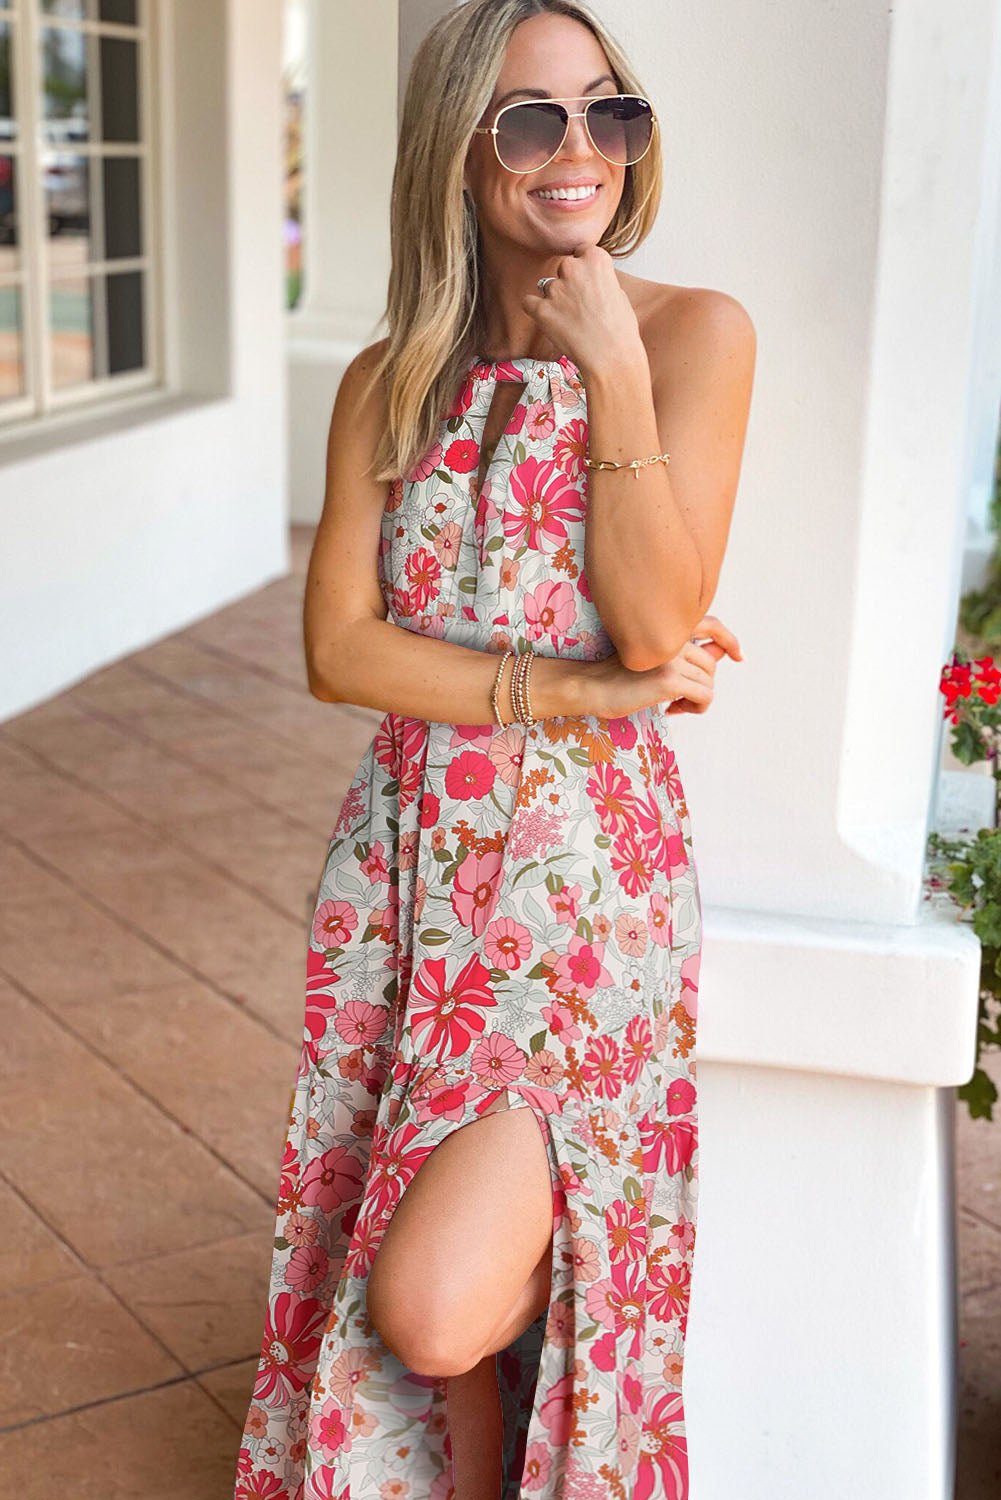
(580, 114)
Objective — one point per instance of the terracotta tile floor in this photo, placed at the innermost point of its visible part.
(162, 831)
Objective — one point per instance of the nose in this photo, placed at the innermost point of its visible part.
(578, 143)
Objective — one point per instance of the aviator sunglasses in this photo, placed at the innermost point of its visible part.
(528, 133)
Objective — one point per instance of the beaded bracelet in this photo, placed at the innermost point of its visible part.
(496, 687)
(520, 701)
(633, 463)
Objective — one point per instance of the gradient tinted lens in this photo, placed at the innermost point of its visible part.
(621, 127)
(529, 134)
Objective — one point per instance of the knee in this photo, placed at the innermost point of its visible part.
(420, 1332)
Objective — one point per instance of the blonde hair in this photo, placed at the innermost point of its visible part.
(433, 308)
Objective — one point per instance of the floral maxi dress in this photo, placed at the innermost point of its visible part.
(500, 909)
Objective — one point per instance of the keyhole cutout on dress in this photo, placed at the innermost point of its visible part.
(507, 394)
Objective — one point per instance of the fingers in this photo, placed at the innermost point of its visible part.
(713, 627)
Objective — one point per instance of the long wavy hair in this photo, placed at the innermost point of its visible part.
(434, 309)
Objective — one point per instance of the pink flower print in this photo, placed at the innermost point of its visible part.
(662, 1470)
(408, 849)
(299, 1230)
(659, 920)
(570, 448)
(631, 934)
(398, 1154)
(349, 1371)
(616, 1302)
(449, 1015)
(544, 1069)
(532, 832)
(333, 923)
(516, 421)
(306, 1268)
(475, 887)
(630, 857)
(462, 455)
(540, 420)
(555, 1409)
(673, 1370)
(586, 1259)
(668, 1145)
(560, 1325)
(510, 568)
(360, 1023)
(507, 943)
(690, 983)
(470, 775)
(603, 1352)
(331, 1180)
(507, 751)
(395, 497)
(680, 1096)
(374, 864)
(430, 810)
(447, 544)
(497, 1059)
(561, 1023)
(628, 1443)
(627, 1229)
(422, 470)
(602, 1066)
(550, 609)
(542, 501)
(293, 1331)
(636, 1048)
(668, 1288)
(327, 1429)
(622, 732)
(537, 1466)
(613, 797)
(445, 1103)
(423, 572)
(580, 969)
(566, 903)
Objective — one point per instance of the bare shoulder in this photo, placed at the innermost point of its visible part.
(355, 390)
(685, 325)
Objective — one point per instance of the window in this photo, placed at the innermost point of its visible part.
(77, 272)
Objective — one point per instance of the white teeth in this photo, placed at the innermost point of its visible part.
(582, 192)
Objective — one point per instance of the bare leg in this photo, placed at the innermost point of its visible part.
(463, 1268)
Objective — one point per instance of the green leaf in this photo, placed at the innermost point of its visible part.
(632, 1190)
(467, 585)
(554, 883)
(533, 864)
(432, 936)
(538, 1041)
(585, 930)
(578, 755)
(602, 840)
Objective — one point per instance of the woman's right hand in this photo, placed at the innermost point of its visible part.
(614, 690)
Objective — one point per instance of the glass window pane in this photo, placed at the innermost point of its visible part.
(8, 125)
(9, 236)
(122, 12)
(122, 219)
(66, 177)
(71, 314)
(11, 344)
(119, 88)
(125, 322)
(64, 75)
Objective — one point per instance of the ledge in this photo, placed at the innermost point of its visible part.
(871, 1001)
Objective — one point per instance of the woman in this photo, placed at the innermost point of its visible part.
(487, 1209)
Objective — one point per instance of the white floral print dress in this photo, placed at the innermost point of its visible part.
(499, 909)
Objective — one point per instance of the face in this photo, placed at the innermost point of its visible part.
(556, 56)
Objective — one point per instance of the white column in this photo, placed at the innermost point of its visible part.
(349, 153)
(835, 168)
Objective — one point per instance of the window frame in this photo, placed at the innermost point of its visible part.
(42, 400)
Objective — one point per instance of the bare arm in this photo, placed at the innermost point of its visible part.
(354, 653)
(654, 544)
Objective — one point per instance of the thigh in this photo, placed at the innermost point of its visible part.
(469, 1230)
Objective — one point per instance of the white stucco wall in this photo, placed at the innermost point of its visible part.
(120, 529)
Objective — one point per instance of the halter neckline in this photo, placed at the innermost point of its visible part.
(526, 362)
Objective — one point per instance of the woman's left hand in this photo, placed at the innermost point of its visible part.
(585, 312)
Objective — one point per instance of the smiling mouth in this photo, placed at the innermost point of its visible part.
(566, 198)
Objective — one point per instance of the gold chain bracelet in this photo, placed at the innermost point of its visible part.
(633, 463)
